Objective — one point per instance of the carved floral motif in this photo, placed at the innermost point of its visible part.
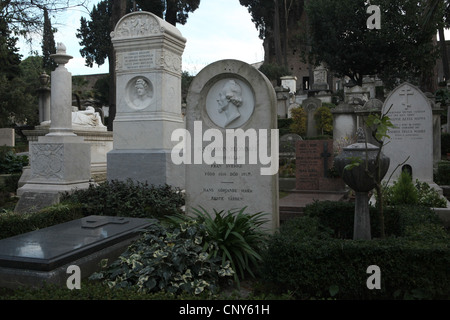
(137, 25)
(47, 160)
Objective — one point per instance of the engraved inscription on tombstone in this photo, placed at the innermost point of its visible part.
(226, 97)
(410, 112)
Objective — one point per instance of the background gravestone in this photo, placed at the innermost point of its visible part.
(231, 186)
(314, 161)
(148, 71)
(7, 137)
(411, 114)
(311, 105)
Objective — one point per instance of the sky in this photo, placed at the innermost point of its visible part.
(218, 29)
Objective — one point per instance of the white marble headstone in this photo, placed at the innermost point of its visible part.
(410, 112)
(226, 97)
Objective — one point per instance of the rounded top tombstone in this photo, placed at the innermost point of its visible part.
(142, 24)
(227, 94)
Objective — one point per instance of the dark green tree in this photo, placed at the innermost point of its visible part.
(9, 53)
(277, 22)
(434, 8)
(18, 84)
(48, 44)
(401, 50)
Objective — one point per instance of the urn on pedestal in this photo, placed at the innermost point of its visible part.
(370, 166)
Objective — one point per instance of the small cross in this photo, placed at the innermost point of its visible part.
(406, 92)
(325, 155)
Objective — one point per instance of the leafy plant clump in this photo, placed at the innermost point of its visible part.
(239, 237)
(405, 192)
(175, 258)
(128, 198)
(11, 162)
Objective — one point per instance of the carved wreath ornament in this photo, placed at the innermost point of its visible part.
(137, 25)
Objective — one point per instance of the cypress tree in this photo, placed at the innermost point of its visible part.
(48, 44)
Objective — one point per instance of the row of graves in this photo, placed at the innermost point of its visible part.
(224, 153)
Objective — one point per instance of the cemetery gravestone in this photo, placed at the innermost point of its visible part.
(148, 71)
(43, 255)
(232, 181)
(314, 159)
(344, 125)
(60, 160)
(410, 112)
(288, 144)
(311, 105)
(7, 137)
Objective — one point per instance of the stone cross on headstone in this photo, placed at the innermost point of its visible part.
(405, 92)
(325, 155)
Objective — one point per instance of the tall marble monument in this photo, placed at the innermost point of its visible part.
(60, 160)
(148, 89)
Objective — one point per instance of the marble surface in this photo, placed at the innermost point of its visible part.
(49, 248)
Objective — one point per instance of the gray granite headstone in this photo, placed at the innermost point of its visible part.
(44, 255)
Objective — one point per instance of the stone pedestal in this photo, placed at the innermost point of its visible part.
(148, 71)
(361, 225)
(60, 161)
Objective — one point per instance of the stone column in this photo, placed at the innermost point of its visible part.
(361, 225)
(60, 160)
(61, 95)
(282, 101)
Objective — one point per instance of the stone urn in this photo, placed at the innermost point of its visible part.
(361, 180)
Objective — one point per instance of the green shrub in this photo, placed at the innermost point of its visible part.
(89, 291)
(405, 192)
(306, 227)
(339, 217)
(239, 237)
(442, 176)
(128, 198)
(170, 258)
(429, 197)
(12, 224)
(11, 162)
(413, 266)
(336, 215)
(11, 183)
(445, 143)
(402, 191)
(284, 126)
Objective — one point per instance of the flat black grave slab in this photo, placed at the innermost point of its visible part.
(39, 253)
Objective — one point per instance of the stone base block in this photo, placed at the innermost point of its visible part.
(151, 166)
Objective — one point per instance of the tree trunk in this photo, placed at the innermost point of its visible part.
(277, 35)
(171, 12)
(118, 11)
(444, 55)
